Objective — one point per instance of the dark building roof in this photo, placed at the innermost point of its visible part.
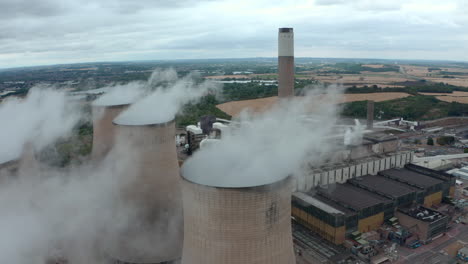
(382, 185)
(443, 176)
(351, 196)
(411, 177)
(379, 137)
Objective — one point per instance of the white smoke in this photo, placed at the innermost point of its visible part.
(44, 114)
(270, 146)
(67, 212)
(353, 135)
(166, 100)
(122, 94)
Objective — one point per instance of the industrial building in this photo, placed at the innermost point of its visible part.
(339, 210)
(343, 171)
(376, 152)
(364, 203)
(448, 188)
(400, 193)
(241, 224)
(431, 188)
(424, 223)
(153, 188)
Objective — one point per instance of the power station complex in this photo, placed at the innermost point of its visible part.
(183, 219)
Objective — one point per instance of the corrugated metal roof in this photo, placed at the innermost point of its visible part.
(354, 197)
(411, 177)
(319, 204)
(384, 185)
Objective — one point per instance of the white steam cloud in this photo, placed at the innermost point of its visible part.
(271, 146)
(122, 94)
(167, 99)
(72, 212)
(40, 119)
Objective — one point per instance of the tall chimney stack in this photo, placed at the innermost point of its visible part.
(285, 63)
(370, 114)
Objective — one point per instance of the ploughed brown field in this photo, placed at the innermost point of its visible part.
(456, 96)
(260, 105)
(436, 76)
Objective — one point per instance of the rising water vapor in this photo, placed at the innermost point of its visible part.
(44, 114)
(167, 98)
(68, 212)
(268, 147)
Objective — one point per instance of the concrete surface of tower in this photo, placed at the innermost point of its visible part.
(232, 225)
(104, 112)
(285, 63)
(157, 233)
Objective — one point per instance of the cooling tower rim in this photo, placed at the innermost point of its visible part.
(116, 104)
(285, 29)
(265, 185)
(130, 124)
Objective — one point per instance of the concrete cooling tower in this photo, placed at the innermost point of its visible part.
(103, 129)
(233, 225)
(285, 63)
(157, 233)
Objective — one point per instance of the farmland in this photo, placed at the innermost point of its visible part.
(259, 105)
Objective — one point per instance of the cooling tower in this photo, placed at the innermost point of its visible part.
(248, 225)
(156, 235)
(370, 114)
(103, 129)
(285, 63)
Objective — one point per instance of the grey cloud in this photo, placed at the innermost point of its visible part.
(330, 2)
(131, 30)
(369, 5)
(19, 8)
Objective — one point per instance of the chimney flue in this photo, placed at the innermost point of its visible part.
(285, 63)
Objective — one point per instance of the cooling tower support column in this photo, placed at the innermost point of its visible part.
(250, 225)
(370, 114)
(285, 63)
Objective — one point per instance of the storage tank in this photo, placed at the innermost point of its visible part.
(156, 235)
(232, 224)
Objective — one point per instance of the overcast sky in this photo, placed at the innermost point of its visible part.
(40, 32)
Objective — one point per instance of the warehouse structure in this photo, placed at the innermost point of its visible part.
(153, 188)
(339, 210)
(448, 188)
(431, 188)
(241, 224)
(400, 193)
(343, 171)
(363, 204)
(424, 222)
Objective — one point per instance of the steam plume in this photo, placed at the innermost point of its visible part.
(268, 147)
